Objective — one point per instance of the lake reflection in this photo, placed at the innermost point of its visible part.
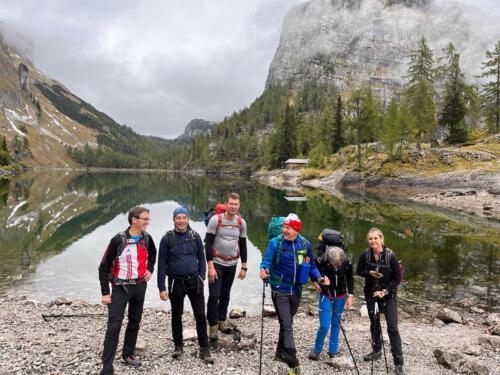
(56, 226)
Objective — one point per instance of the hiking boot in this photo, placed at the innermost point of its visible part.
(399, 370)
(205, 355)
(290, 359)
(132, 361)
(372, 356)
(294, 371)
(225, 326)
(213, 333)
(313, 355)
(332, 355)
(178, 350)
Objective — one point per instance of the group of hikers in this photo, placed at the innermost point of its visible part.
(287, 265)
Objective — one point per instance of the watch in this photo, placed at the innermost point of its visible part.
(244, 269)
(386, 292)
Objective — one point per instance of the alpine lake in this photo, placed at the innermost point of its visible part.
(56, 225)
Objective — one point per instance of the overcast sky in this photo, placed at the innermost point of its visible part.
(155, 64)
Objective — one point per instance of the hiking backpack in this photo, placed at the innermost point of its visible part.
(219, 208)
(123, 242)
(275, 226)
(330, 237)
(388, 254)
(171, 239)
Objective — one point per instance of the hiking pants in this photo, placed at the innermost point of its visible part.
(389, 307)
(191, 286)
(219, 293)
(116, 311)
(286, 306)
(330, 313)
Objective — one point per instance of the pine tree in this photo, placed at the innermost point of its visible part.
(491, 90)
(420, 91)
(338, 131)
(453, 110)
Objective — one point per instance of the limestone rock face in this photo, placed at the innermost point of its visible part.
(194, 128)
(359, 42)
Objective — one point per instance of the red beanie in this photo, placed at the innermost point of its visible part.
(293, 221)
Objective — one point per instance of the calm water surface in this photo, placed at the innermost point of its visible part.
(56, 226)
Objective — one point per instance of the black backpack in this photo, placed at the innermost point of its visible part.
(330, 237)
(123, 242)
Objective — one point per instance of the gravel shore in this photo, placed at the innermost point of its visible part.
(72, 345)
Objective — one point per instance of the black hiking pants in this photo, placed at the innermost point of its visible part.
(219, 293)
(192, 286)
(389, 307)
(116, 311)
(286, 306)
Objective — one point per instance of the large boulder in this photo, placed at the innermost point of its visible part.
(449, 316)
(459, 363)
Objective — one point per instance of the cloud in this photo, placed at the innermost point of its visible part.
(152, 64)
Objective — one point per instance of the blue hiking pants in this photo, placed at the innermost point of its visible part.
(330, 313)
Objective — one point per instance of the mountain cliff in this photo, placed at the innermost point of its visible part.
(41, 120)
(359, 42)
(36, 131)
(194, 128)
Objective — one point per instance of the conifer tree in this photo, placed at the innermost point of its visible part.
(491, 90)
(453, 109)
(338, 131)
(420, 91)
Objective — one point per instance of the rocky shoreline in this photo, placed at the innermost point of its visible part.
(472, 192)
(69, 339)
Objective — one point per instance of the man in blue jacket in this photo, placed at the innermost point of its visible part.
(182, 259)
(285, 255)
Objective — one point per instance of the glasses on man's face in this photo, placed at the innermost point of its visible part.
(146, 219)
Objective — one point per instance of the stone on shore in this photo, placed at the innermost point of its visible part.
(449, 316)
(237, 313)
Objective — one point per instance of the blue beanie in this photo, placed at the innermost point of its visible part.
(181, 210)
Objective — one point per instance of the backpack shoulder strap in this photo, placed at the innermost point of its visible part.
(170, 240)
(123, 242)
(219, 222)
(388, 255)
(192, 238)
(304, 242)
(279, 250)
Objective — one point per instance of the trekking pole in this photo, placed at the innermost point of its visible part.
(348, 346)
(46, 317)
(264, 284)
(377, 311)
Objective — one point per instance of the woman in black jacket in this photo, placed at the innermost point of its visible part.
(380, 268)
(333, 298)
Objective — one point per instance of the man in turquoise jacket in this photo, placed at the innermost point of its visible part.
(287, 263)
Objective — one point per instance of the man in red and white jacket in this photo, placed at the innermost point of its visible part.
(127, 264)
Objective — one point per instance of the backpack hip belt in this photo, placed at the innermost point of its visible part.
(226, 258)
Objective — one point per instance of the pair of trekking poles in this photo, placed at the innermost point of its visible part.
(264, 284)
